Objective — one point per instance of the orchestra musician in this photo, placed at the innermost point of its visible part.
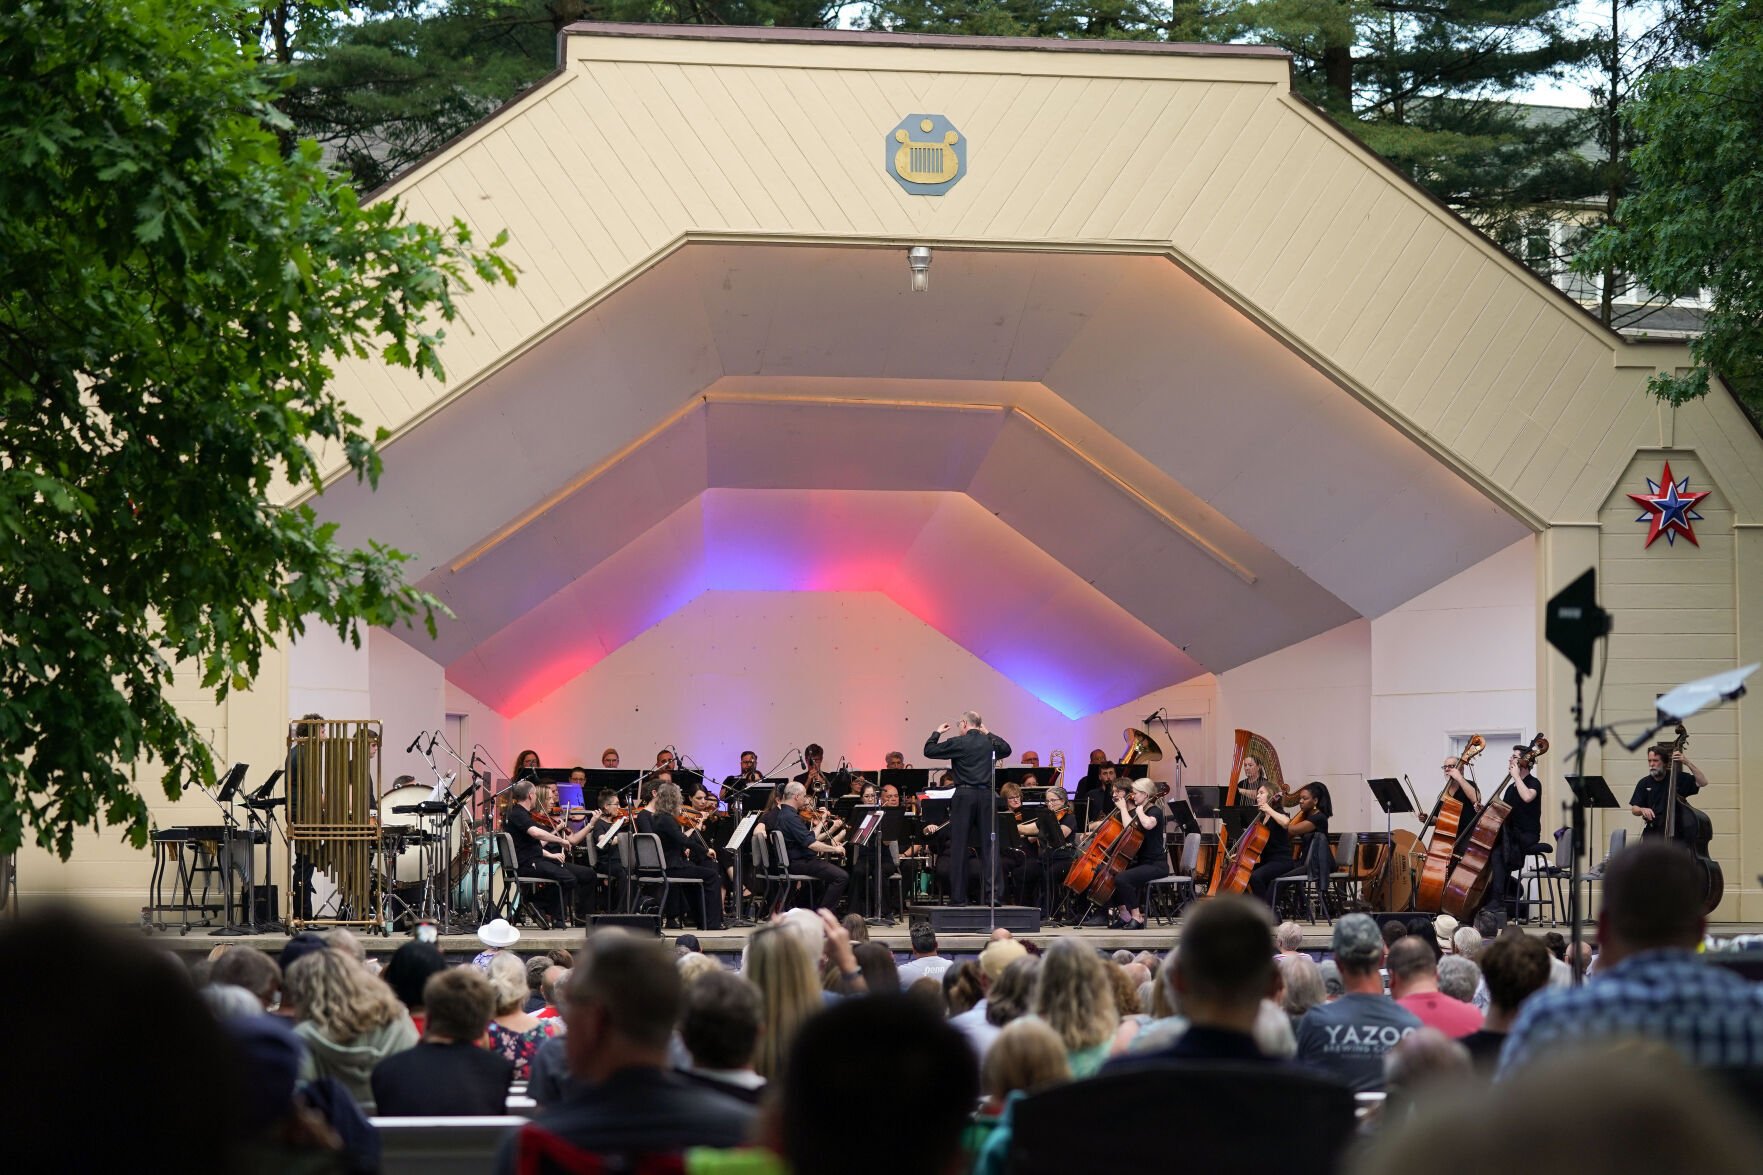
(1031, 758)
(1311, 819)
(1134, 805)
(749, 773)
(526, 765)
(1648, 801)
(539, 852)
(863, 859)
(812, 777)
(894, 761)
(684, 855)
(1091, 797)
(805, 848)
(1457, 787)
(1523, 827)
(1098, 755)
(1056, 863)
(608, 864)
(973, 752)
(609, 758)
(1022, 864)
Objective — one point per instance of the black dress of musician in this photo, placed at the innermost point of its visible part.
(1315, 809)
(685, 856)
(1648, 801)
(538, 852)
(973, 752)
(1151, 862)
(1522, 830)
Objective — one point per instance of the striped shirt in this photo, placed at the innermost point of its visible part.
(1712, 1015)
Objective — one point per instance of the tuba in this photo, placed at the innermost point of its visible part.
(1140, 747)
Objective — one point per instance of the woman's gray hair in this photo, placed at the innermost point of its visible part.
(1459, 977)
(230, 1002)
(1303, 984)
(508, 981)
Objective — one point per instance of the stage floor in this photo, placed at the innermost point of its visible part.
(1317, 937)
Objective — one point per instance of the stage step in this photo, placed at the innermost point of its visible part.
(978, 919)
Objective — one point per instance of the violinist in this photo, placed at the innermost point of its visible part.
(540, 852)
(526, 766)
(1022, 856)
(1134, 807)
(684, 855)
(547, 815)
(1311, 819)
(1056, 862)
(863, 860)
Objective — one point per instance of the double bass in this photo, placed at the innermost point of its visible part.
(1692, 828)
(1468, 886)
(1446, 822)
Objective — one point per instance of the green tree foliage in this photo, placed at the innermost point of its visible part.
(173, 290)
(383, 83)
(1693, 219)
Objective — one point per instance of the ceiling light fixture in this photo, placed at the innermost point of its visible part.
(918, 258)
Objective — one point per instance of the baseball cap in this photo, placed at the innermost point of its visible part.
(1357, 941)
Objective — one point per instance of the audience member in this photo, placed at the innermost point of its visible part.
(1273, 1033)
(447, 1074)
(881, 976)
(298, 947)
(1073, 996)
(1425, 1058)
(1332, 988)
(963, 987)
(1467, 942)
(1221, 975)
(554, 975)
(341, 938)
(1167, 1023)
(1392, 930)
(841, 1058)
(1649, 982)
(292, 1125)
(1444, 936)
(972, 1023)
(535, 979)
(929, 992)
(251, 969)
(514, 1033)
(349, 1020)
(1303, 985)
(497, 935)
(1349, 1037)
(778, 964)
(1011, 994)
(1288, 937)
(1414, 983)
(550, 1082)
(720, 1027)
(1513, 969)
(1459, 978)
(925, 960)
(1635, 1110)
(621, 1002)
(1026, 1058)
(408, 973)
(694, 965)
(229, 1001)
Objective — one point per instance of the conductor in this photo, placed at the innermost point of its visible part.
(972, 753)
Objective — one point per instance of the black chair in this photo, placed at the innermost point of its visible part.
(652, 871)
(788, 881)
(1164, 897)
(1214, 1112)
(514, 885)
(1312, 883)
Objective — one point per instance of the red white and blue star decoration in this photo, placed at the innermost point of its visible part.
(1670, 508)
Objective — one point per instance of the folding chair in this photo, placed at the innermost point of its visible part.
(780, 856)
(652, 870)
(1169, 888)
(514, 885)
(1312, 882)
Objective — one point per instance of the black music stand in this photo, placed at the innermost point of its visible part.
(1392, 798)
(224, 797)
(878, 826)
(1183, 815)
(909, 781)
(260, 813)
(1016, 775)
(1593, 792)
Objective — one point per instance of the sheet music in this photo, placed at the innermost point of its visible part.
(738, 837)
(610, 832)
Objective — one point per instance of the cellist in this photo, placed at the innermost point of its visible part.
(1311, 819)
(1152, 861)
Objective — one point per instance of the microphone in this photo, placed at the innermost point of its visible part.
(433, 741)
(801, 762)
(415, 742)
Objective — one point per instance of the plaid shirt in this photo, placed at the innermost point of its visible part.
(1711, 1015)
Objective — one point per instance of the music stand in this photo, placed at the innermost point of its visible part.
(1182, 813)
(909, 781)
(878, 827)
(1593, 792)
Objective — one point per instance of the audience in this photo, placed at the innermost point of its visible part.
(925, 961)
(841, 1058)
(963, 987)
(1073, 996)
(997, 955)
(1459, 978)
(1414, 982)
(720, 1027)
(447, 1074)
(535, 980)
(1425, 1059)
(778, 965)
(1444, 937)
(289, 1124)
(349, 1020)
(1222, 975)
(881, 976)
(1634, 1110)
(251, 969)
(1349, 1037)
(228, 1001)
(1304, 989)
(1514, 969)
(1012, 993)
(1026, 1058)
(514, 1033)
(1649, 982)
(1288, 937)
(408, 974)
(621, 1002)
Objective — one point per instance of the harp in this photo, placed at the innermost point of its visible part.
(1248, 745)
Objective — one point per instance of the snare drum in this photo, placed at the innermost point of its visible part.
(405, 834)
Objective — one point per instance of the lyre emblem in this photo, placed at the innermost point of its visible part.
(926, 154)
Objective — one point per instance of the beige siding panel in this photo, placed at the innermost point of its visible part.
(540, 240)
(721, 108)
(1003, 170)
(1361, 296)
(1438, 338)
(1282, 283)
(1677, 621)
(628, 161)
(1190, 115)
(1586, 378)
(587, 211)
(592, 164)
(1632, 425)
(1069, 150)
(1481, 434)
(1203, 161)
(1415, 323)
(854, 100)
(1694, 646)
(1138, 148)
(1726, 442)
(1643, 597)
(1134, 108)
(1482, 361)
(1266, 232)
(1247, 169)
(628, 89)
(713, 159)
(1364, 267)
(1537, 474)
(1394, 298)
(762, 114)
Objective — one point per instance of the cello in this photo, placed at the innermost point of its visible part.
(1446, 821)
(1692, 828)
(1249, 847)
(1249, 745)
(1468, 886)
(1110, 850)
